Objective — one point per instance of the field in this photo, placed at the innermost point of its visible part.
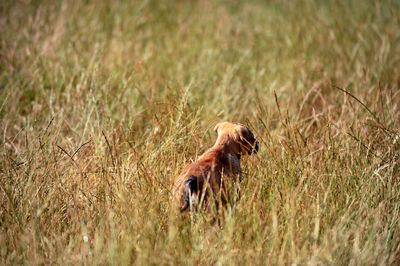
(103, 102)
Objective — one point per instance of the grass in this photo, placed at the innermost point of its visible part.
(103, 102)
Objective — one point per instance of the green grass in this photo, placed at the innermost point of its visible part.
(103, 103)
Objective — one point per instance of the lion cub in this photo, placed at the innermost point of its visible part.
(216, 170)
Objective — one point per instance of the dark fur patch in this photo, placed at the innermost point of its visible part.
(191, 186)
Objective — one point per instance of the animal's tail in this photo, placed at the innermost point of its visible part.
(190, 193)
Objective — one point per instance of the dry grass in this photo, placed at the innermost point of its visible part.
(102, 103)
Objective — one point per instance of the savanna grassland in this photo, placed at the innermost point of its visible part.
(103, 102)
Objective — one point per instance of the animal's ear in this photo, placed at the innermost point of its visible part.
(216, 127)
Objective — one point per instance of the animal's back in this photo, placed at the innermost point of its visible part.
(190, 183)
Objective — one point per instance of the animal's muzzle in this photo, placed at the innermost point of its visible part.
(254, 148)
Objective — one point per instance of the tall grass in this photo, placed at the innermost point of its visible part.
(103, 103)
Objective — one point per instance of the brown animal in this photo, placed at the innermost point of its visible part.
(216, 170)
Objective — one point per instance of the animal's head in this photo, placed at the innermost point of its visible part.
(237, 135)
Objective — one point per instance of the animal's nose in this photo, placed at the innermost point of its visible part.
(256, 147)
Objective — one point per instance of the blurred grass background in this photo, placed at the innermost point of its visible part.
(103, 102)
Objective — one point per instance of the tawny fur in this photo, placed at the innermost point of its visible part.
(216, 170)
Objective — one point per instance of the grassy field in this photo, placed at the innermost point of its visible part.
(103, 102)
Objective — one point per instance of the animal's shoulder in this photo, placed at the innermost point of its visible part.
(218, 158)
(228, 159)
(230, 164)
